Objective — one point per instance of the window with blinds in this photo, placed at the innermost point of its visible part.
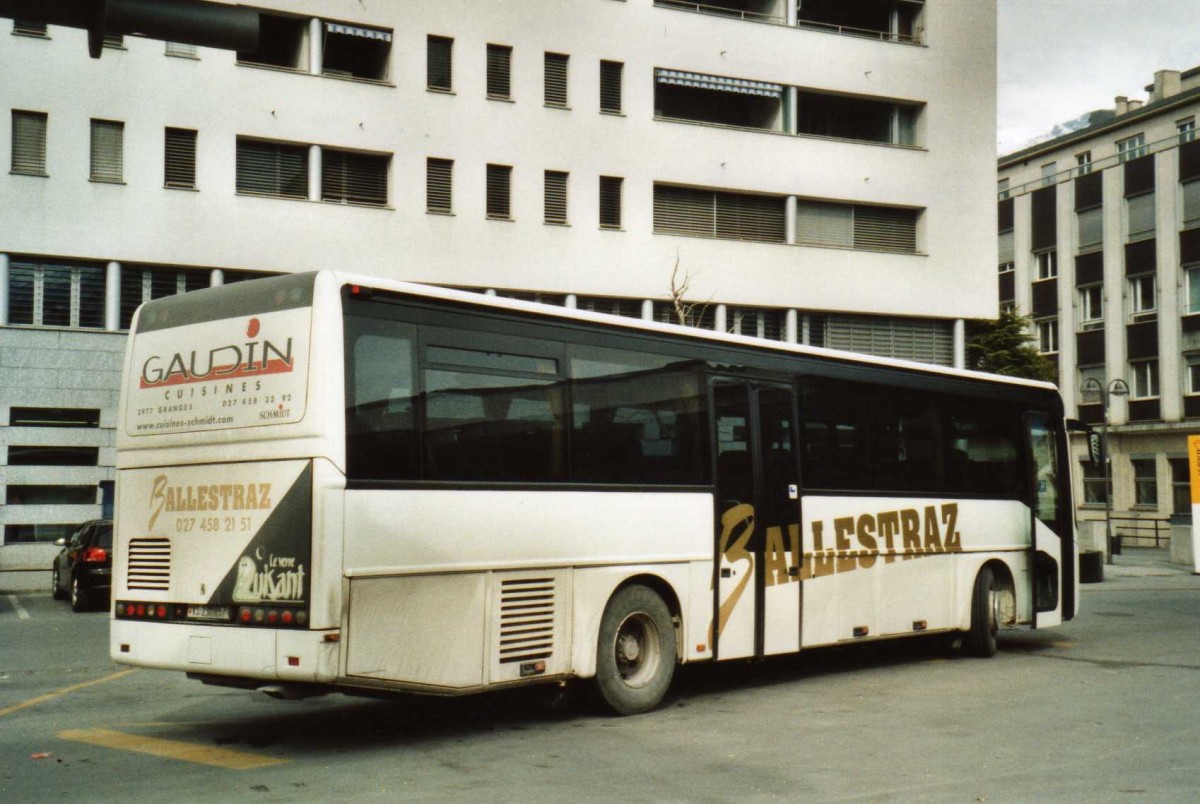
(925, 340)
(626, 308)
(722, 215)
(499, 72)
(108, 150)
(556, 197)
(439, 73)
(1091, 229)
(701, 315)
(1191, 204)
(354, 178)
(50, 294)
(499, 190)
(272, 169)
(753, 322)
(181, 50)
(610, 202)
(1140, 209)
(439, 188)
(555, 74)
(352, 51)
(611, 76)
(29, 143)
(180, 158)
(856, 226)
(113, 41)
(140, 285)
(1007, 251)
(29, 28)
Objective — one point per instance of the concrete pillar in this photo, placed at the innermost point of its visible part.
(791, 98)
(316, 46)
(789, 220)
(647, 309)
(3, 289)
(216, 278)
(491, 292)
(792, 8)
(314, 173)
(720, 317)
(960, 344)
(112, 296)
(571, 302)
(1170, 349)
(791, 330)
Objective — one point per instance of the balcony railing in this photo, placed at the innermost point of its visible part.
(1165, 144)
(776, 19)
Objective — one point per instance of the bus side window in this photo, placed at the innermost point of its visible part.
(836, 449)
(381, 441)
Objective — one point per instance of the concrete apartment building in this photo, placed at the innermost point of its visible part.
(1100, 242)
(819, 175)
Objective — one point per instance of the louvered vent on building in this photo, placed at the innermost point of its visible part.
(905, 338)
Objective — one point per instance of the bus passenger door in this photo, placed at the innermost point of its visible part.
(757, 589)
(1052, 561)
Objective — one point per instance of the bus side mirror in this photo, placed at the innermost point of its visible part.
(1094, 446)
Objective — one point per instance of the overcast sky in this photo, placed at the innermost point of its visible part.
(1058, 59)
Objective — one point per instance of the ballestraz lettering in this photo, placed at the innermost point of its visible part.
(223, 497)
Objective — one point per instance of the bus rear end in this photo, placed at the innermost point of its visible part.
(222, 469)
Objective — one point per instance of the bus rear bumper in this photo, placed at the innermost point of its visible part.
(256, 654)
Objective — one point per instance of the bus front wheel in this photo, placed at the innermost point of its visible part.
(636, 656)
(985, 616)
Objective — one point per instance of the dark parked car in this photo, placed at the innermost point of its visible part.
(83, 568)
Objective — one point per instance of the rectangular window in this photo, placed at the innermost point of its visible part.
(108, 150)
(282, 43)
(53, 456)
(54, 417)
(499, 72)
(1181, 486)
(272, 169)
(610, 202)
(439, 72)
(1140, 212)
(1089, 391)
(1191, 383)
(1145, 481)
(611, 73)
(56, 295)
(1191, 300)
(1048, 171)
(1048, 336)
(857, 226)
(1002, 189)
(439, 186)
(26, 27)
(351, 51)
(180, 158)
(1091, 305)
(1131, 148)
(1095, 489)
(1142, 294)
(1047, 264)
(1083, 163)
(555, 202)
(1091, 229)
(29, 143)
(1006, 249)
(50, 495)
(113, 41)
(1186, 129)
(757, 323)
(499, 192)
(555, 75)
(181, 50)
(725, 216)
(140, 285)
(354, 178)
(1145, 379)
(1191, 204)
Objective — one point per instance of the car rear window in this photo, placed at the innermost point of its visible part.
(104, 537)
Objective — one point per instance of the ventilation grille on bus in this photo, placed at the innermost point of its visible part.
(149, 564)
(526, 619)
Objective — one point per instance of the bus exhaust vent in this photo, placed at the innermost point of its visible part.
(526, 619)
(149, 564)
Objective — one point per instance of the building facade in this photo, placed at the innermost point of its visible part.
(1099, 241)
(809, 176)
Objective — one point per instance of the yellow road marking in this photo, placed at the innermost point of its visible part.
(171, 749)
(49, 696)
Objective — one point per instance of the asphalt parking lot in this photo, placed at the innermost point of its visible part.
(1103, 709)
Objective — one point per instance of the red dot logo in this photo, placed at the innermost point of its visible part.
(252, 330)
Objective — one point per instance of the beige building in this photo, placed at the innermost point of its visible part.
(1100, 243)
(812, 173)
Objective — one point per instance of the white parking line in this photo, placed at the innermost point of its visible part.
(18, 608)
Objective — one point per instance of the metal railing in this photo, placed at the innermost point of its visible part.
(1132, 531)
(775, 19)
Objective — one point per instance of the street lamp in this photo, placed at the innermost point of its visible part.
(1117, 387)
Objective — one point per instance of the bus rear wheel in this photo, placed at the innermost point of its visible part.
(636, 657)
(985, 616)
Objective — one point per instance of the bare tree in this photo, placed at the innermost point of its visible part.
(687, 313)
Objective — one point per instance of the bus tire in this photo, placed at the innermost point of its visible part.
(635, 660)
(985, 617)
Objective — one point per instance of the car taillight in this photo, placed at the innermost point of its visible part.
(95, 555)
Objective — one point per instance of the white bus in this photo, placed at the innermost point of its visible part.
(333, 482)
